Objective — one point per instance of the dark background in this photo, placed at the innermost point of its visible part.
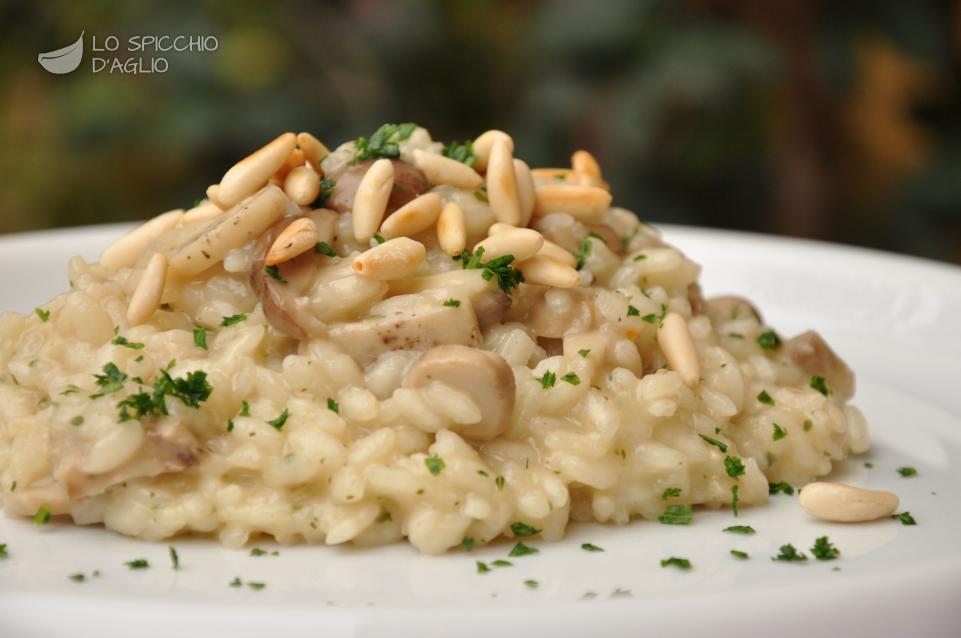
(834, 120)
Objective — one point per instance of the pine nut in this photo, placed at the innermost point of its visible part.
(502, 185)
(587, 171)
(202, 212)
(370, 201)
(394, 259)
(499, 227)
(484, 144)
(244, 222)
(251, 173)
(213, 194)
(444, 170)
(299, 237)
(557, 253)
(840, 503)
(125, 252)
(546, 271)
(413, 217)
(314, 150)
(525, 190)
(522, 243)
(584, 203)
(294, 160)
(146, 296)
(452, 229)
(302, 185)
(676, 343)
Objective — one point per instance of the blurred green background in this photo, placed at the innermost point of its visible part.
(834, 120)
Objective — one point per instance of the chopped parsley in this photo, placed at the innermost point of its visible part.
(122, 341)
(765, 398)
(780, 487)
(3, 550)
(244, 408)
(677, 514)
(639, 257)
(280, 421)
(43, 314)
(256, 586)
(583, 252)
(435, 464)
(735, 499)
(77, 420)
(383, 143)
(719, 445)
(671, 492)
(823, 549)
(230, 425)
(42, 517)
(379, 238)
(110, 381)
(733, 466)
(531, 583)
(655, 319)
(779, 433)
(548, 380)
(71, 389)
(508, 278)
(790, 555)
(632, 311)
(500, 562)
(137, 563)
(869, 465)
(808, 424)
(571, 378)
(257, 552)
(905, 518)
(232, 320)
(591, 547)
(333, 406)
(520, 549)
(452, 303)
(523, 529)
(499, 482)
(584, 352)
(235, 582)
(907, 472)
(747, 530)
(738, 554)
(385, 516)
(274, 272)
(174, 558)
(200, 338)
(463, 152)
(674, 561)
(482, 568)
(77, 578)
(769, 340)
(467, 543)
(326, 190)
(323, 248)
(481, 195)
(819, 384)
(191, 390)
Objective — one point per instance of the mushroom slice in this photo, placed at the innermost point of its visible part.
(409, 183)
(812, 353)
(730, 307)
(482, 375)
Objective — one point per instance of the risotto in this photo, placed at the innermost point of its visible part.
(402, 339)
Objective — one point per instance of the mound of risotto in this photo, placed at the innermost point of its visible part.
(402, 339)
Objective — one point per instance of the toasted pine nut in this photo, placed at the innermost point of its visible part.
(499, 227)
(125, 252)
(525, 190)
(236, 227)
(314, 150)
(484, 144)
(299, 237)
(555, 252)
(370, 201)
(213, 194)
(452, 229)
(522, 243)
(545, 271)
(502, 185)
(251, 173)
(584, 203)
(294, 160)
(676, 343)
(394, 259)
(413, 217)
(150, 289)
(202, 212)
(586, 164)
(840, 503)
(444, 170)
(302, 185)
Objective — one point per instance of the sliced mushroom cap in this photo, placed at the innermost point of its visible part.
(482, 375)
(812, 353)
(409, 182)
(730, 307)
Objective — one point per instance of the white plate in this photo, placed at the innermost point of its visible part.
(894, 319)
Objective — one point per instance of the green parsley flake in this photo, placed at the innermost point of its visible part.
(137, 563)
(769, 340)
(747, 530)
(590, 547)
(383, 143)
(819, 384)
(905, 518)
(323, 248)
(235, 582)
(200, 338)
(110, 381)
(584, 352)
(174, 558)
(482, 568)
(43, 314)
(500, 562)
(633, 312)
(780, 488)
(379, 238)
(674, 561)
(571, 378)
(191, 390)
(823, 549)
(719, 445)
(523, 529)
(869, 465)
(274, 272)
(640, 257)
(671, 492)
(499, 482)
(808, 424)
(735, 499)
(230, 425)
(333, 406)
(531, 584)
(677, 514)
(463, 152)
(256, 551)
(385, 516)
(779, 433)
(42, 517)
(467, 543)
(71, 389)
(508, 278)
(452, 303)
(326, 190)
(77, 578)
(435, 464)
(790, 555)
(481, 195)
(907, 472)
(765, 398)
(232, 320)
(738, 554)
(520, 549)
(77, 420)
(122, 341)
(733, 466)
(548, 380)
(582, 253)
(3, 550)
(279, 422)
(244, 408)
(255, 585)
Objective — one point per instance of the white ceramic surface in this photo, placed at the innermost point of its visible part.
(896, 320)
